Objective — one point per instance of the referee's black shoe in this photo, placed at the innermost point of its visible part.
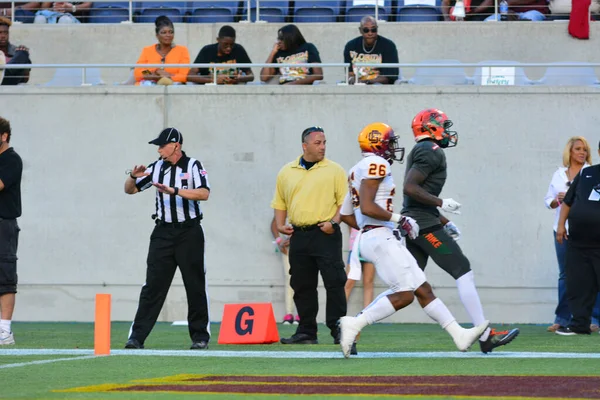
(300, 338)
(133, 344)
(201, 345)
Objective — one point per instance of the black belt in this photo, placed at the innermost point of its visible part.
(367, 228)
(305, 228)
(184, 224)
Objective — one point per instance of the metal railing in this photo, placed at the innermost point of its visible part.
(345, 66)
(374, 7)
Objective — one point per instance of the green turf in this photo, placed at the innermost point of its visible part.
(40, 381)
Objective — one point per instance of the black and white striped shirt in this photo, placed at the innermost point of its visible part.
(188, 173)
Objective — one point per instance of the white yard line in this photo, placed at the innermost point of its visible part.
(25, 364)
(281, 354)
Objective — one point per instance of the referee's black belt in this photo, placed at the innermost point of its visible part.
(305, 228)
(184, 224)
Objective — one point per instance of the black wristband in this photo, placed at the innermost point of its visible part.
(176, 192)
(132, 177)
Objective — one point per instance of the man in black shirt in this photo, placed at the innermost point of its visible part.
(581, 206)
(177, 239)
(371, 48)
(225, 51)
(11, 169)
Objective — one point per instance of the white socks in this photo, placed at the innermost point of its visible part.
(5, 325)
(438, 312)
(381, 308)
(470, 299)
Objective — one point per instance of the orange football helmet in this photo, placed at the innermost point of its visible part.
(433, 124)
(379, 138)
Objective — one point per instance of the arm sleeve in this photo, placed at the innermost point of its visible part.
(202, 58)
(347, 58)
(143, 59)
(145, 182)
(426, 160)
(10, 176)
(347, 207)
(570, 196)
(244, 59)
(181, 75)
(390, 55)
(552, 192)
(313, 54)
(278, 202)
(200, 176)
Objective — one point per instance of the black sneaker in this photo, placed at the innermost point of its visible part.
(565, 331)
(201, 345)
(300, 338)
(133, 344)
(497, 339)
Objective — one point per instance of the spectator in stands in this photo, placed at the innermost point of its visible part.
(164, 52)
(13, 55)
(525, 10)
(62, 12)
(21, 8)
(475, 10)
(371, 47)
(225, 51)
(292, 48)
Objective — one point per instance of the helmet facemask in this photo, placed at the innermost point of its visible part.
(393, 147)
(450, 138)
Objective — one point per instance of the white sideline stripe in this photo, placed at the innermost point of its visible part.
(291, 354)
(25, 364)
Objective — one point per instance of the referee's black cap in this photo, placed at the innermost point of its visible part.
(168, 135)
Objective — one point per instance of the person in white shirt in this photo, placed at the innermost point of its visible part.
(576, 156)
(369, 207)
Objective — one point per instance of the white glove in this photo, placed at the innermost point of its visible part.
(450, 205)
(408, 227)
(452, 230)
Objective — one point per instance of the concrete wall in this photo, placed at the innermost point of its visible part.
(82, 235)
(469, 42)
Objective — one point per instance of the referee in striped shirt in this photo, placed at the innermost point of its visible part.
(177, 239)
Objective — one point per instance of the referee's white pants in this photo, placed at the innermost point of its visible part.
(393, 262)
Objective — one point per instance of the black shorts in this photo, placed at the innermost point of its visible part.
(436, 243)
(9, 241)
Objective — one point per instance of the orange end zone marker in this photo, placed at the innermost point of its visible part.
(252, 323)
(102, 325)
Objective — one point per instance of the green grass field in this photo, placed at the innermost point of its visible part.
(20, 378)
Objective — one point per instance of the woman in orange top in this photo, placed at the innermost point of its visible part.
(164, 52)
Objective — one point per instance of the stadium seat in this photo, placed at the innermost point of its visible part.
(109, 13)
(148, 11)
(74, 77)
(440, 75)
(270, 11)
(357, 9)
(213, 11)
(316, 10)
(520, 79)
(560, 74)
(419, 11)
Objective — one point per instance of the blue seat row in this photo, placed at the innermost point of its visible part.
(271, 11)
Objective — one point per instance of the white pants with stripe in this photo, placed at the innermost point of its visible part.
(393, 262)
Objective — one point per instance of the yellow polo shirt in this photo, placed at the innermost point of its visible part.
(310, 196)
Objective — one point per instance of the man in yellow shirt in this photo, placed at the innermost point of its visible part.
(309, 192)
